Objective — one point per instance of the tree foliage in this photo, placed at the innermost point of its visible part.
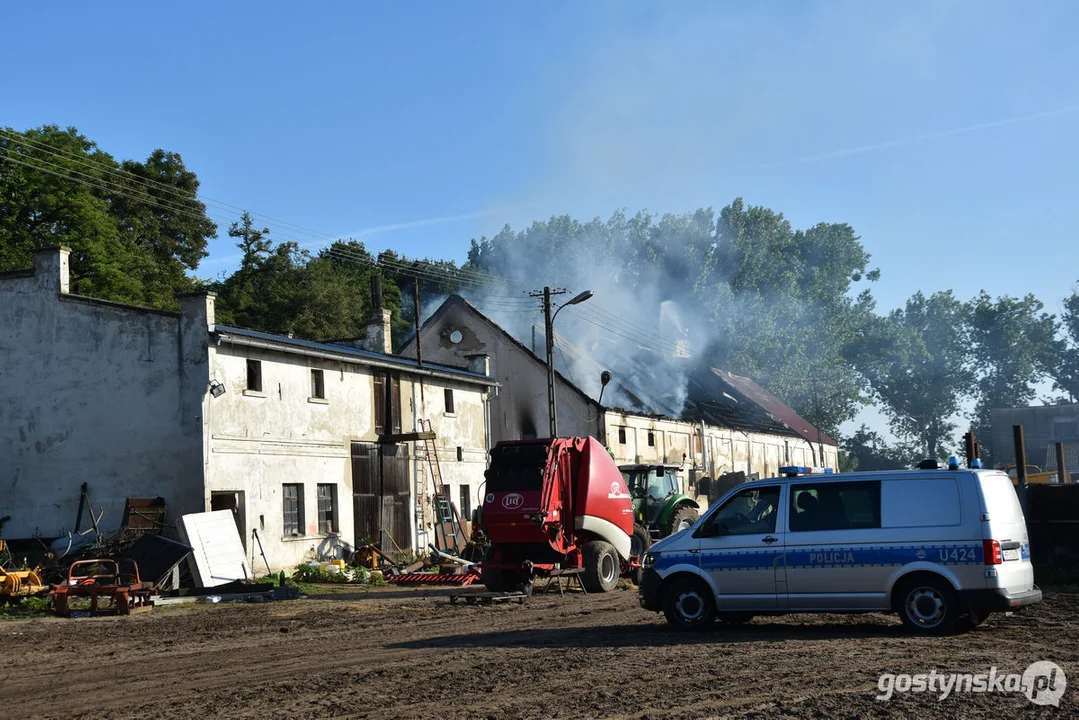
(135, 229)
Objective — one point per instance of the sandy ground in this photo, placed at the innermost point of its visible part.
(401, 653)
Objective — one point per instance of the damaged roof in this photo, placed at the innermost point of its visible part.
(714, 396)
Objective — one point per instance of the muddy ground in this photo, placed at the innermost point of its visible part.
(401, 653)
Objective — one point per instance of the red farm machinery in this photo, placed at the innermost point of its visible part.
(555, 506)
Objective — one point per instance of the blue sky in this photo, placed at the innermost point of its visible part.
(349, 117)
(944, 132)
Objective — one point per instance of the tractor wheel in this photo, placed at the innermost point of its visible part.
(601, 566)
(681, 518)
(640, 541)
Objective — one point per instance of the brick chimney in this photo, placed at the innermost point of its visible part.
(378, 327)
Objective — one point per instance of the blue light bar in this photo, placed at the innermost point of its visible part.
(796, 470)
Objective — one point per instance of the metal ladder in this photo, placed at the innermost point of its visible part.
(444, 511)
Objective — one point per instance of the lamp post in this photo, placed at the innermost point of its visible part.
(549, 322)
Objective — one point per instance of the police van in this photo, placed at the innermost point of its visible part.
(942, 547)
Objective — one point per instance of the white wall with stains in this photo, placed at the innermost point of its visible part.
(94, 392)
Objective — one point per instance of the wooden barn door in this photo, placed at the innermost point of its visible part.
(366, 493)
(396, 499)
(381, 499)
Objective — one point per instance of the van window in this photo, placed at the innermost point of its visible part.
(1001, 502)
(928, 502)
(835, 506)
(750, 512)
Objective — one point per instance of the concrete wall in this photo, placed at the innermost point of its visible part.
(519, 408)
(259, 441)
(94, 392)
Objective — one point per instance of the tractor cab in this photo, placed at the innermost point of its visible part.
(658, 502)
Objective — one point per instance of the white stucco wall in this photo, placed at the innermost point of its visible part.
(98, 393)
(259, 441)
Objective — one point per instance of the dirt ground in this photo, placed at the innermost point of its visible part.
(409, 653)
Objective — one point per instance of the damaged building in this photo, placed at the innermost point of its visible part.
(312, 445)
(727, 424)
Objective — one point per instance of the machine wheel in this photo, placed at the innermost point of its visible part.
(734, 618)
(601, 566)
(689, 604)
(928, 605)
(640, 541)
(681, 518)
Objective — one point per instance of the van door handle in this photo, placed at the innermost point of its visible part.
(769, 539)
(695, 550)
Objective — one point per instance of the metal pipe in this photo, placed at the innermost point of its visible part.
(1020, 465)
(1062, 470)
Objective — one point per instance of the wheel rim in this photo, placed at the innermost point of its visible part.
(926, 606)
(608, 568)
(690, 607)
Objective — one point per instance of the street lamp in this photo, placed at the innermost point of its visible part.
(549, 318)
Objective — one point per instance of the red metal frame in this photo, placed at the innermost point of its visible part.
(115, 580)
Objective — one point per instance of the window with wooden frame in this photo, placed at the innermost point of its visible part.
(254, 375)
(292, 504)
(327, 508)
(387, 404)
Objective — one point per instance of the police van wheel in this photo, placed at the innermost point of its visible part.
(929, 606)
(689, 605)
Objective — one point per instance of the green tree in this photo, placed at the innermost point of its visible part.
(867, 450)
(135, 229)
(1065, 372)
(917, 361)
(1015, 345)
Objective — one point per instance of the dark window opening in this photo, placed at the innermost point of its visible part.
(254, 375)
(449, 401)
(835, 506)
(318, 385)
(621, 436)
(460, 453)
(651, 439)
(517, 468)
(466, 502)
(327, 507)
(292, 502)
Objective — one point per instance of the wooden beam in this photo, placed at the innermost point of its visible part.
(406, 437)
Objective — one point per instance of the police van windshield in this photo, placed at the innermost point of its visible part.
(517, 468)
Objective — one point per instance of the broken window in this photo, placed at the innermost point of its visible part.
(327, 507)
(254, 375)
(621, 436)
(292, 502)
(318, 385)
(651, 439)
(449, 401)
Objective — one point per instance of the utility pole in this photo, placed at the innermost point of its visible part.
(548, 321)
(548, 325)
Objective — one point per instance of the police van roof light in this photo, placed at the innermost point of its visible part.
(796, 470)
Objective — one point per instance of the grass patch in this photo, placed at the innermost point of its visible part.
(23, 608)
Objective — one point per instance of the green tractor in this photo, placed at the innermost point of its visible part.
(659, 506)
